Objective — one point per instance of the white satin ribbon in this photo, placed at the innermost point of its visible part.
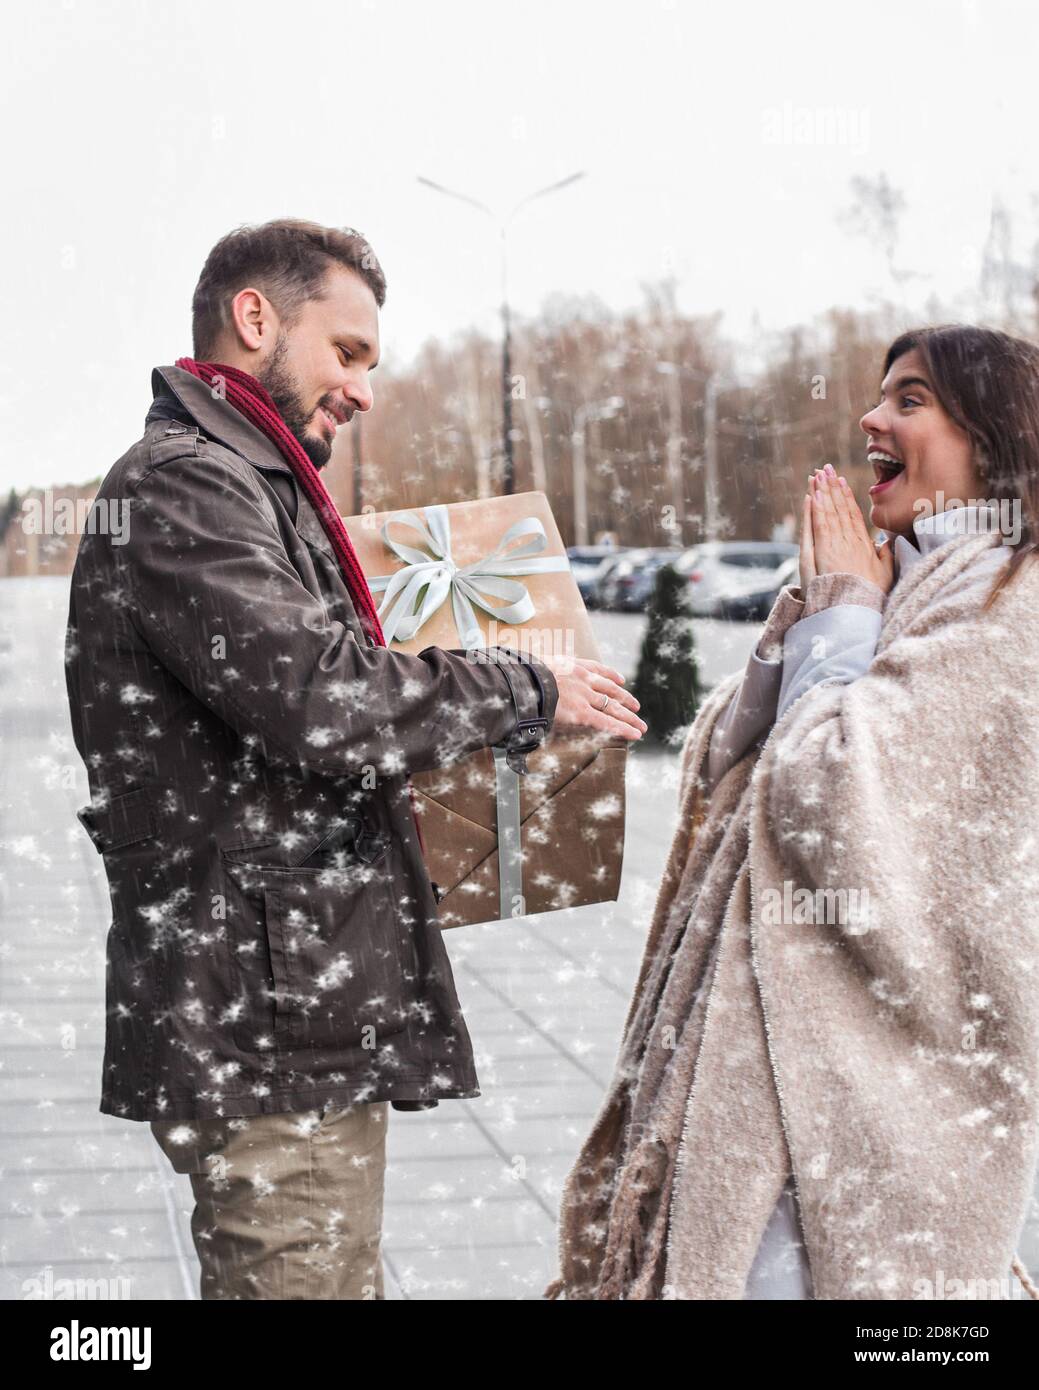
(402, 615)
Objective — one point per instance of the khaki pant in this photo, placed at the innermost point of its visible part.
(286, 1206)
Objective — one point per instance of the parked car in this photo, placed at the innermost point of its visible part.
(628, 584)
(585, 563)
(757, 604)
(599, 578)
(737, 579)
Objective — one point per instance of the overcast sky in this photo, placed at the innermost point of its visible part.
(137, 133)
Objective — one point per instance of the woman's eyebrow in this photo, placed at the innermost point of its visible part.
(905, 381)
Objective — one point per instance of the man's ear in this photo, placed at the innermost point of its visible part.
(254, 321)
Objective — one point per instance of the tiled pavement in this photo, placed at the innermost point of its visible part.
(472, 1187)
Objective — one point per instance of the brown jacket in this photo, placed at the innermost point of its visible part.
(274, 940)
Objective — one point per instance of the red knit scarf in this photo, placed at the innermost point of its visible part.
(255, 402)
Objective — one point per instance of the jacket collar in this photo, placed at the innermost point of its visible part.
(218, 419)
(932, 531)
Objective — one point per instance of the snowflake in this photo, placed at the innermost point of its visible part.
(134, 695)
(973, 1118)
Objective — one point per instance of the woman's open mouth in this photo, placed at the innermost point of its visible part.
(886, 467)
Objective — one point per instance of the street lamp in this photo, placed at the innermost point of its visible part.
(598, 410)
(506, 348)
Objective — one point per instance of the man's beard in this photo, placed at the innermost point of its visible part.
(279, 381)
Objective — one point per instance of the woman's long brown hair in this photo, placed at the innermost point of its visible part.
(988, 382)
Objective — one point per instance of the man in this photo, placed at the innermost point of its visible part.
(276, 976)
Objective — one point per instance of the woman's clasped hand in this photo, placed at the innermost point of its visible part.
(834, 535)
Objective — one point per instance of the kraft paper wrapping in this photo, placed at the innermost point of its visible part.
(571, 801)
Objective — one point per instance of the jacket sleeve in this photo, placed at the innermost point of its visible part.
(828, 635)
(216, 598)
(837, 637)
(752, 709)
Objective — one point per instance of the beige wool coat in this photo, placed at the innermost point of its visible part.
(881, 1045)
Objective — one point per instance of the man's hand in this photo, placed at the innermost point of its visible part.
(834, 536)
(583, 684)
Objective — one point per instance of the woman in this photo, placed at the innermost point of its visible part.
(838, 1005)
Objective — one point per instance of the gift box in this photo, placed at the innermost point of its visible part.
(494, 572)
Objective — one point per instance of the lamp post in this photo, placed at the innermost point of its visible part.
(508, 471)
(599, 410)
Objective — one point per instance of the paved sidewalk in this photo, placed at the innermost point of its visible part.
(472, 1187)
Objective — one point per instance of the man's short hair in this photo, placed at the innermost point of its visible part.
(288, 260)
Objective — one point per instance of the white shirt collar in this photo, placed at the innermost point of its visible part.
(936, 530)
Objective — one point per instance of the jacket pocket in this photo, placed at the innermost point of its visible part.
(126, 819)
(317, 951)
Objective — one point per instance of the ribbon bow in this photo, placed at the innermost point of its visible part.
(433, 568)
